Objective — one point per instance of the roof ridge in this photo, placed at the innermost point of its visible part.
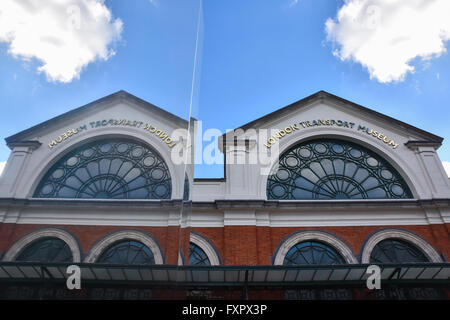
(322, 94)
(118, 94)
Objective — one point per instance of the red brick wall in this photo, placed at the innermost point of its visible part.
(236, 245)
(87, 236)
(249, 245)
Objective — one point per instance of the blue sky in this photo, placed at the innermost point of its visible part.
(254, 57)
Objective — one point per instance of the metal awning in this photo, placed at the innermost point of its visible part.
(437, 273)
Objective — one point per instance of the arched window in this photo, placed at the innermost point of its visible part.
(127, 252)
(312, 252)
(396, 251)
(46, 250)
(329, 169)
(197, 257)
(108, 169)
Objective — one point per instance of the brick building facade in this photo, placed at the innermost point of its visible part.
(339, 185)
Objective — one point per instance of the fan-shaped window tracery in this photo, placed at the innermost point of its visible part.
(108, 169)
(396, 251)
(328, 169)
(312, 252)
(47, 249)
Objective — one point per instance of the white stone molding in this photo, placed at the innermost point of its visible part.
(407, 236)
(206, 246)
(314, 235)
(110, 239)
(22, 243)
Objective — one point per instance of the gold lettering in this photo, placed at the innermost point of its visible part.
(152, 129)
(51, 144)
(392, 143)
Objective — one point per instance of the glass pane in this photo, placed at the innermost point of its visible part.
(108, 169)
(46, 250)
(396, 251)
(329, 169)
(310, 252)
(127, 252)
(197, 257)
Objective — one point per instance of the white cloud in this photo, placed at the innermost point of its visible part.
(386, 35)
(447, 167)
(2, 166)
(64, 35)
